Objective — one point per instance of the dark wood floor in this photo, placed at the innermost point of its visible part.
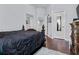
(57, 44)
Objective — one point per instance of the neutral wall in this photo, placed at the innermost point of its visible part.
(31, 11)
(13, 16)
(40, 12)
(69, 15)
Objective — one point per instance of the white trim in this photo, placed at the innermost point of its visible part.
(49, 36)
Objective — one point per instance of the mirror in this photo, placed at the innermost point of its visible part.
(58, 23)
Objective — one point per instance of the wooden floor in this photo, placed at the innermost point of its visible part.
(57, 44)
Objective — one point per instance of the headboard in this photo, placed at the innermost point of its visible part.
(31, 29)
(2, 34)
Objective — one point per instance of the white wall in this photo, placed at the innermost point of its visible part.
(40, 12)
(12, 17)
(32, 11)
(50, 25)
(69, 15)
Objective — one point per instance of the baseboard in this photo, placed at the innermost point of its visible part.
(49, 36)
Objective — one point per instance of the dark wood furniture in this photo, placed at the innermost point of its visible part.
(74, 50)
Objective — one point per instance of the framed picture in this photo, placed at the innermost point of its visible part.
(28, 18)
(49, 20)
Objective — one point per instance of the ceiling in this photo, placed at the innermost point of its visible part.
(40, 5)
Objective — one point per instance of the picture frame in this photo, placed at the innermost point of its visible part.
(28, 18)
(49, 20)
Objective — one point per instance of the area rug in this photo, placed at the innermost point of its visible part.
(46, 51)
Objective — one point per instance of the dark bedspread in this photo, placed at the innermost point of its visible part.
(21, 42)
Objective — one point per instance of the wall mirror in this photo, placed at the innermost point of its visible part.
(58, 23)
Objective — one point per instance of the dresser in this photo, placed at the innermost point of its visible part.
(74, 48)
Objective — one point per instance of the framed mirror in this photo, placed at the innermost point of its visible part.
(58, 23)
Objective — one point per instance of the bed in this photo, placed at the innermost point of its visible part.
(22, 42)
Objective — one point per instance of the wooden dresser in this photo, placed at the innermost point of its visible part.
(74, 50)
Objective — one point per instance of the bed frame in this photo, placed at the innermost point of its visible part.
(2, 34)
(7, 33)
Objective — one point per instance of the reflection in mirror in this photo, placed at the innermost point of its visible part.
(58, 23)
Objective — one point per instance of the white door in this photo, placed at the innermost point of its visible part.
(59, 17)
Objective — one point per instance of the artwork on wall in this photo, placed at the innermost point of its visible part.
(28, 18)
(58, 23)
(23, 28)
(49, 20)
